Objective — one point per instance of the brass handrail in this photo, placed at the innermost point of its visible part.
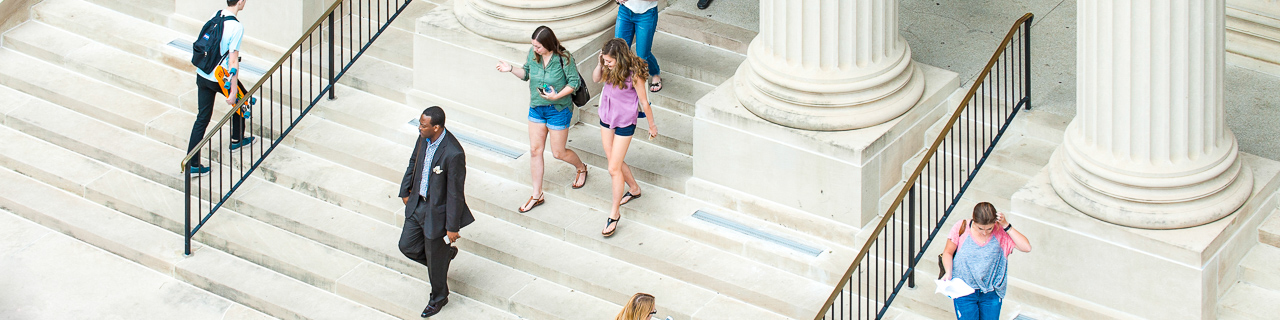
(209, 135)
(911, 182)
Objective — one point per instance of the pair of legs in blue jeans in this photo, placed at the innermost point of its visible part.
(638, 28)
(978, 306)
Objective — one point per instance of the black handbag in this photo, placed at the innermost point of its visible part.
(580, 93)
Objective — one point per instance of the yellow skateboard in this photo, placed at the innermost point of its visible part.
(243, 105)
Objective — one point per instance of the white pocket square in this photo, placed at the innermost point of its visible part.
(437, 170)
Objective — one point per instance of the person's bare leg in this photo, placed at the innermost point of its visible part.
(559, 138)
(606, 140)
(537, 143)
(619, 152)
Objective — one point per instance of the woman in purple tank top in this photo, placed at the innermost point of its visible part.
(624, 76)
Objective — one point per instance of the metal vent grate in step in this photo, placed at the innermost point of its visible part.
(498, 148)
(761, 234)
(185, 46)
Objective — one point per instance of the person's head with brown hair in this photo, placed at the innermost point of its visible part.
(620, 62)
(984, 218)
(544, 40)
(640, 307)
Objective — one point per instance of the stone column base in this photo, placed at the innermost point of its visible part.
(1085, 267)
(741, 158)
(454, 68)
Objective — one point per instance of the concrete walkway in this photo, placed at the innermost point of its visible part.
(49, 275)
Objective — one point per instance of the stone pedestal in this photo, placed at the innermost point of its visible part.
(1150, 147)
(514, 20)
(830, 65)
(1253, 35)
(1082, 267)
(454, 68)
(741, 158)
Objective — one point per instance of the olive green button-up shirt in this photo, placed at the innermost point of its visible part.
(558, 73)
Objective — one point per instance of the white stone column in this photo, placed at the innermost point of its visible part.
(829, 65)
(1149, 147)
(514, 20)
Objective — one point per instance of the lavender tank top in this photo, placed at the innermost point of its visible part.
(618, 105)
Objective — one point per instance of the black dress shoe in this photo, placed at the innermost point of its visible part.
(703, 4)
(433, 309)
(453, 252)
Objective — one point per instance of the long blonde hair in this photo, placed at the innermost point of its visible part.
(638, 307)
(625, 63)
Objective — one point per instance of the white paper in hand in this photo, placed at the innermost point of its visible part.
(953, 288)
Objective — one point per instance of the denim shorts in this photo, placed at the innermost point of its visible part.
(626, 131)
(555, 120)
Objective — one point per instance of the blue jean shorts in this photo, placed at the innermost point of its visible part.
(555, 120)
(626, 131)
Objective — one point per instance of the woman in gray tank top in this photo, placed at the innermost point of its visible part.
(977, 253)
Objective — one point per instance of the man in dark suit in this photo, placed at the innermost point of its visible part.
(435, 206)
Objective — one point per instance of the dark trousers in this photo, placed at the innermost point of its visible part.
(433, 253)
(207, 92)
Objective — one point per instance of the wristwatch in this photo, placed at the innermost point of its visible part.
(1006, 228)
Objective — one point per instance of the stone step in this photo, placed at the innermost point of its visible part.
(645, 240)
(153, 11)
(675, 130)
(1247, 301)
(150, 201)
(210, 269)
(1269, 231)
(649, 163)
(139, 37)
(49, 268)
(111, 65)
(705, 30)
(78, 92)
(127, 33)
(679, 94)
(694, 60)
(1259, 267)
(375, 243)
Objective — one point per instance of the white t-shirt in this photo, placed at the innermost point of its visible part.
(640, 6)
(232, 33)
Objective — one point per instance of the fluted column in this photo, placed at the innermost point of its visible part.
(1149, 146)
(514, 20)
(828, 65)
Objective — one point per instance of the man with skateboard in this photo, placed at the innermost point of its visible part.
(217, 59)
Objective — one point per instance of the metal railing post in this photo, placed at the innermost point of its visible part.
(1026, 55)
(911, 238)
(332, 86)
(186, 223)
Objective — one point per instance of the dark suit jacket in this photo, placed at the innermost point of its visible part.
(447, 206)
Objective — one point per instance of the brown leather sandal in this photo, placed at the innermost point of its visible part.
(536, 203)
(582, 172)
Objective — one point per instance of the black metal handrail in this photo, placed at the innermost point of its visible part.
(285, 94)
(888, 259)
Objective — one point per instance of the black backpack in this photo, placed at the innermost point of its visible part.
(206, 51)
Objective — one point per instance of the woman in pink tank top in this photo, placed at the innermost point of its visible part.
(624, 76)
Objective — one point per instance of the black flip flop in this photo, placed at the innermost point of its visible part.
(609, 221)
(657, 85)
(628, 197)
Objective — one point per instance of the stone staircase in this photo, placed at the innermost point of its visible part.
(95, 124)
(1254, 295)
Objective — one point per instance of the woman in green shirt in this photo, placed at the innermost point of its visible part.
(552, 75)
